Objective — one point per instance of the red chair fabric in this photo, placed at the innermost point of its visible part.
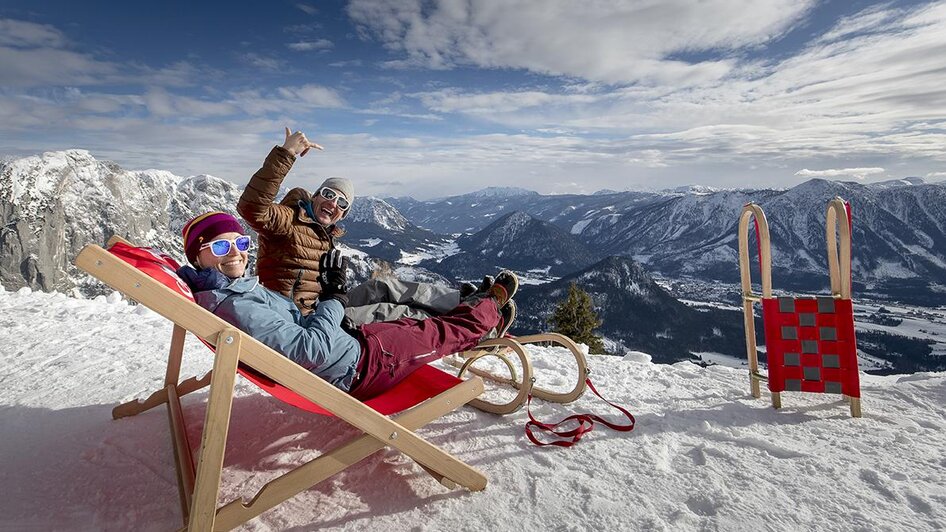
(415, 389)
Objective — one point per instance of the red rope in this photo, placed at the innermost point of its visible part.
(586, 423)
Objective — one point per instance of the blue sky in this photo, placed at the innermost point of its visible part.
(430, 98)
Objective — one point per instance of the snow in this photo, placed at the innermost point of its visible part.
(436, 252)
(580, 226)
(704, 454)
(536, 276)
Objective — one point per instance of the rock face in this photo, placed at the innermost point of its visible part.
(53, 204)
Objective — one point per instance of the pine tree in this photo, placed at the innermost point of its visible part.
(576, 318)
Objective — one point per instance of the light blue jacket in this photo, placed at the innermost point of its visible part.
(315, 342)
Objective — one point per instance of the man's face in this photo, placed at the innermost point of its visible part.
(326, 210)
(232, 264)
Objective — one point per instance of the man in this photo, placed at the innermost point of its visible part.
(364, 362)
(295, 232)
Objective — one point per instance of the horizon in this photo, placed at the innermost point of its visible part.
(432, 99)
(639, 189)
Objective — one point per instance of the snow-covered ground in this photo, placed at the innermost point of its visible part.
(704, 455)
(437, 252)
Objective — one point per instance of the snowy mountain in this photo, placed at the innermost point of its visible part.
(470, 213)
(638, 312)
(378, 229)
(53, 204)
(499, 192)
(899, 239)
(704, 454)
(519, 242)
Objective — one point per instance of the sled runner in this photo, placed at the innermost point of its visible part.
(501, 348)
(810, 343)
(147, 276)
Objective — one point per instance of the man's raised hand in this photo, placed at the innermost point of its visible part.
(297, 144)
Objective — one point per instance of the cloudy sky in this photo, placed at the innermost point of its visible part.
(429, 98)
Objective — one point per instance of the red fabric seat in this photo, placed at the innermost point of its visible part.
(421, 385)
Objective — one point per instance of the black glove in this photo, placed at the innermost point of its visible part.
(333, 276)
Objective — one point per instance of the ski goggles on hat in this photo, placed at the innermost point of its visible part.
(331, 194)
(221, 246)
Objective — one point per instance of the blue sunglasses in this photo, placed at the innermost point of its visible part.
(221, 247)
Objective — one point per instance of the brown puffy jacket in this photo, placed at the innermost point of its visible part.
(290, 241)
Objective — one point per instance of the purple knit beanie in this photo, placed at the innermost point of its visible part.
(203, 228)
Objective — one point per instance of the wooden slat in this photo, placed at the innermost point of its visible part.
(216, 425)
(135, 407)
(175, 355)
(183, 457)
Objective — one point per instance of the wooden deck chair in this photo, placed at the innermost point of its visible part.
(151, 281)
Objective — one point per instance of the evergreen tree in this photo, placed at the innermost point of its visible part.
(576, 318)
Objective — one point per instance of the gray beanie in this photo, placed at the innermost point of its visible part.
(344, 186)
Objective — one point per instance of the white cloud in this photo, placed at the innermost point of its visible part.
(162, 104)
(608, 41)
(48, 66)
(451, 100)
(37, 55)
(879, 93)
(307, 9)
(21, 34)
(856, 173)
(305, 46)
(311, 95)
(263, 61)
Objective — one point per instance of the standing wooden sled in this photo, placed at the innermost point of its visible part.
(810, 344)
(147, 276)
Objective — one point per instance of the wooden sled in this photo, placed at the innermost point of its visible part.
(238, 352)
(500, 348)
(810, 343)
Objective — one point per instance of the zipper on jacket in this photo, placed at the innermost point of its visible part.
(292, 291)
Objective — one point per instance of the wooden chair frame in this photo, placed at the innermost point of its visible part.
(837, 228)
(199, 486)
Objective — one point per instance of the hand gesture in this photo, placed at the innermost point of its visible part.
(333, 274)
(297, 144)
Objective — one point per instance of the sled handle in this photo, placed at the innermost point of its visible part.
(839, 226)
(750, 211)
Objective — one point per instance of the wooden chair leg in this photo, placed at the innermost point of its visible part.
(776, 400)
(216, 424)
(855, 407)
(174, 357)
(135, 407)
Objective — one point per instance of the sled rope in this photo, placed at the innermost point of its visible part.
(586, 423)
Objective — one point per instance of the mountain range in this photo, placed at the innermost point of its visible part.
(610, 242)
(899, 230)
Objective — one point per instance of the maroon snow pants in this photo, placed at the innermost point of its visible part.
(392, 350)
